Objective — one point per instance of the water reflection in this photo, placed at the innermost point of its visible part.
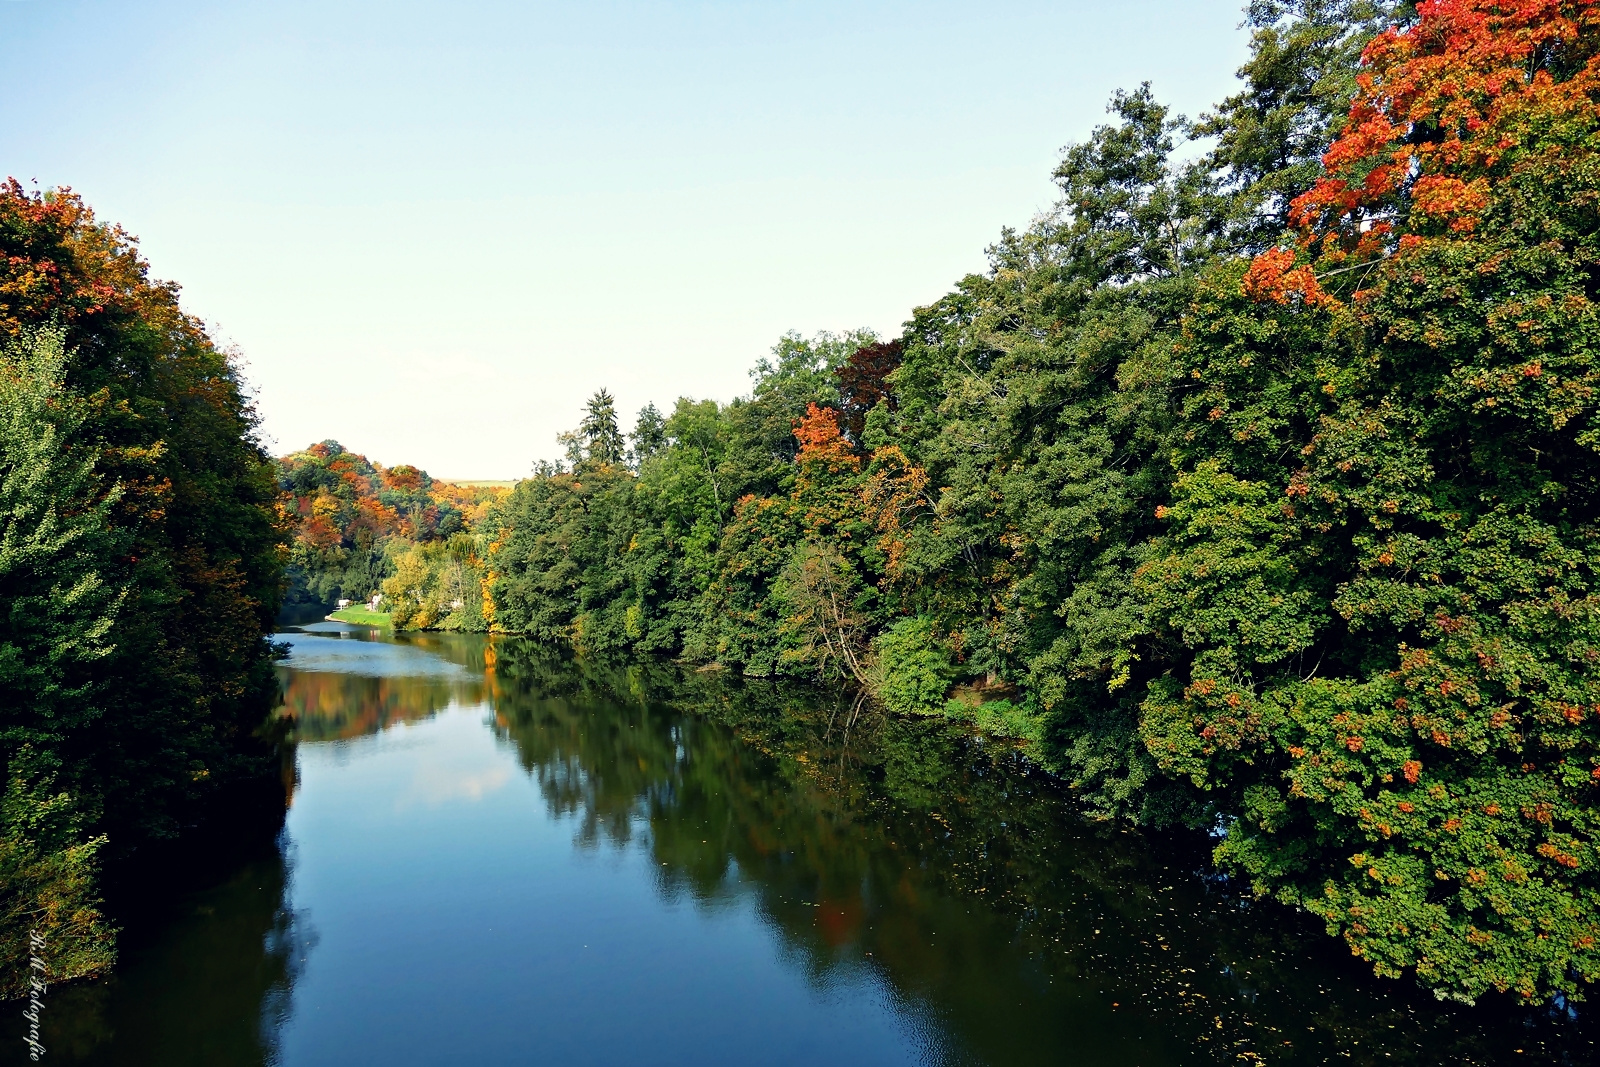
(932, 893)
(342, 681)
(964, 880)
(207, 981)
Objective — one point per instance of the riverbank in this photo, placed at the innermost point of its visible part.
(362, 617)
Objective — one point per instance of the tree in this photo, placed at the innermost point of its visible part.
(649, 435)
(602, 441)
(820, 590)
(1380, 565)
(347, 510)
(1286, 533)
(62, 590)
(1299, 81)
(863, 382)
(185, 682)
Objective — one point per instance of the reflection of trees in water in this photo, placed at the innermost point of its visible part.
(962, 878)
(327, 706)
(212, 986)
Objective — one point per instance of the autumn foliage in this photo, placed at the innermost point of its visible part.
(350, 517)
(1256, 493)
(1444, 743)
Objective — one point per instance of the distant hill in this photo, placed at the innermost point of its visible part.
(346, 510)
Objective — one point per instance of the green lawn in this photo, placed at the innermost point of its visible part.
(361, 616)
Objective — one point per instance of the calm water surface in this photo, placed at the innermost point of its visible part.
(495, 856)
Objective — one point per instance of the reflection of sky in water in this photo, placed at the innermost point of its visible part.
(336, 647)
(457, 923)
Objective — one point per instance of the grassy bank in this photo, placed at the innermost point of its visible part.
(361, 616)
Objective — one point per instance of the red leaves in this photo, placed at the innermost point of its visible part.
(1443, 109)
(863, 381)
(49, 271)
(1273, 277)
(1451, 199)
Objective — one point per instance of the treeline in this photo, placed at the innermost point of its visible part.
(139, 576)
(356, 524)
(1254, 488)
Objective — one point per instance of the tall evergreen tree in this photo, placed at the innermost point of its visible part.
(602, 440)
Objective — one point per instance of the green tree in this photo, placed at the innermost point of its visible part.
(62, 589)
(153, 419)
(602, 441)
(1299, 81)
(649, 435)
(1378, 579)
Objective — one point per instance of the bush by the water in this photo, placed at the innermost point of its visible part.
(914, 671)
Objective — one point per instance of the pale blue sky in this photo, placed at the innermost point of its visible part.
(434, 229)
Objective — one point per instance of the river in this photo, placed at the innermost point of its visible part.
(496, 855)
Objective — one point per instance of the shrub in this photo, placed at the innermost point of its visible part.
(913, 669)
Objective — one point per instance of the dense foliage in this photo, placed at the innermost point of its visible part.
(1253, 490)
(1382, 545)
(139, 572)
(360, 526)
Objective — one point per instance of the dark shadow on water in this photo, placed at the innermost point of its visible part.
(208, 954)
(213, 988)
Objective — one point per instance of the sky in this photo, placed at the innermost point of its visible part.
(433, 230)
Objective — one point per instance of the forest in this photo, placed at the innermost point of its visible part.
(354, 522)
(1253, 489)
